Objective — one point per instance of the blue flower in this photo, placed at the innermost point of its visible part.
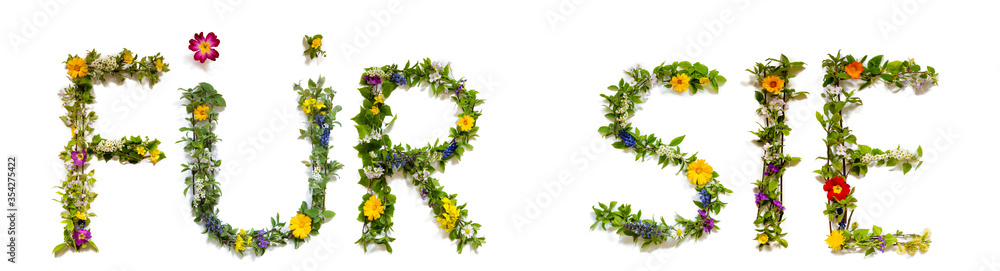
(843, 223)
(324, 140)
(398, 160)
(450, 150)
(626, 138)
(398, 79)
(705, 198)
(320, 120)
(645, 229)
(212, 224)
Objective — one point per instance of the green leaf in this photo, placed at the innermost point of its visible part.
(58, 248)
(328, 214)
(676, 141)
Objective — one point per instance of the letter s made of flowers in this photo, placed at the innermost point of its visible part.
(381, 159)
(75, 193)
(680, 76)
(845, 156)
(203, 105)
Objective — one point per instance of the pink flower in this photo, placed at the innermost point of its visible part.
(79, 157)
(81, 236)
(204, 46)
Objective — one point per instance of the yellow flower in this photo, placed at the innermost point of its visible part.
(307, 105)
(762, 238)
(73, 129)
(835, 240)
(373, 208)
(81, 215)
(379, 99)
(301, 226)
(159, 64)
(374, 110)
(699, 172)
(680, 82)
(773, 84)
(703, 81)
(154, 155)
(312, 104)
(140, 150)
(239, 241)
(317, 105)
(466, 122)
(128, 57)
(450, 214)
(77, 67)
(201, 113)
(316, 43)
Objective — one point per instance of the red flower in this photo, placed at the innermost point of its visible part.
(836, 187)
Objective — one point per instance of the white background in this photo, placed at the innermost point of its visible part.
(540, 66)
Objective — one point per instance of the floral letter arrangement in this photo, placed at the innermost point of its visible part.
(773, 98)
(76, 195)
(380, 158)
(845, 155)
(203, 103)
(680, 76)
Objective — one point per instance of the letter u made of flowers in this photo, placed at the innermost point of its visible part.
(844, 156)
(201, 143)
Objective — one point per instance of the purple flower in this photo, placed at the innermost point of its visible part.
(881, 245)
(461, 86)
(709, 224)
(424, 193)
(81, 236)
(373, 80)
(261, 242)
(702, 214)
(79, 157)
(771, 170)
(777, 203)
(761, 198)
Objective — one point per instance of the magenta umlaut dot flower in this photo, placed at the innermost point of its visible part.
(204, 46)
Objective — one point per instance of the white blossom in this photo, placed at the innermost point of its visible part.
(110, 145)
(374, 172)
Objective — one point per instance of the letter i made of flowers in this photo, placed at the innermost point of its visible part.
(381, 159)
(844, 156)
(773, 95)
(679, 76)
(76, 193)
